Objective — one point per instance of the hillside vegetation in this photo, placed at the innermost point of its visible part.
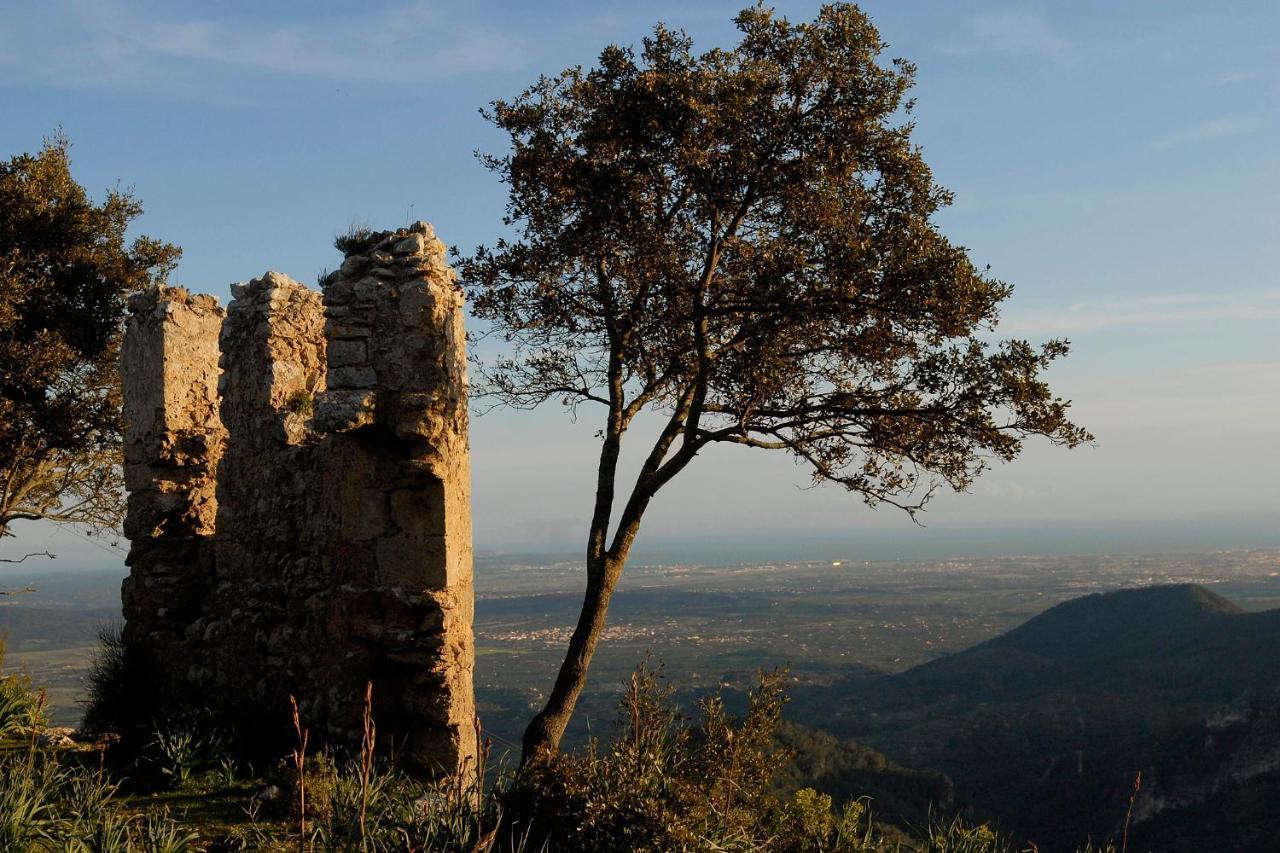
(1044, 730)
(661, 782)
(1074, 703)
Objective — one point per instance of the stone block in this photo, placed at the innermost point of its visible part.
(416, 304)
(348, 353)
(414, 244)
(338, 292)
(365, 513)
(413, 563)
(353, 377)
(342, 410)
(419, 513)
(339, 331)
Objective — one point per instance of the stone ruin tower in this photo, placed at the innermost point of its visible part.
(299, 500)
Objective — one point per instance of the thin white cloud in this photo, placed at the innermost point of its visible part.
(1205, 131)
(1229, 397)
(1238, 76)
(1016, 33)
(1103, 314)
(108, 42)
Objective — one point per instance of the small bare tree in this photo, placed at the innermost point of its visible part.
(64, 273)
(743, 242)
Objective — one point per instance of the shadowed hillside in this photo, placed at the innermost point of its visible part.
(1207, 786)
(1094, 677)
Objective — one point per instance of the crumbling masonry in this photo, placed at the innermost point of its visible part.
(299, 499)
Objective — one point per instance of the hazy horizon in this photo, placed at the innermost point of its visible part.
(1032, 539)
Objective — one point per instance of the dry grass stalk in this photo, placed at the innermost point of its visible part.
(486, 841)
(299, 760)
(1128, 817)
(41, 700)
(366, 757)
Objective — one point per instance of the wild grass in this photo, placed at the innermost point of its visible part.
(22, 708)
(46, 805)
(355, 240)
(180, 750)
(663, 781)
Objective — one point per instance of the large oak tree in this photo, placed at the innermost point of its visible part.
(65, 270)
(743, 241)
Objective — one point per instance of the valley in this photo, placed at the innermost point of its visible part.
(1025, 680)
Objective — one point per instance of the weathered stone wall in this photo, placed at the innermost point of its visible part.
(336, 548)
(173, 442)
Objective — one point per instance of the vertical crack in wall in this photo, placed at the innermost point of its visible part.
(299, 508)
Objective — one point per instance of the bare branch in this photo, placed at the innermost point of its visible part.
(26, 557)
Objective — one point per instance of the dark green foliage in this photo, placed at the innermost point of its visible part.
(21, 707)
(65, 271)
(1206, 786)
(127, 703)
(746, 238)
(161, 834)
(28, 798)
(116, 689)
(1094, 673)
(450, 816)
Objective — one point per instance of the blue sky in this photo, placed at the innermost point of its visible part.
(1116, 162)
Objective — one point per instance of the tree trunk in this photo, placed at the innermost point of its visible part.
(545, 731)
(604, 567)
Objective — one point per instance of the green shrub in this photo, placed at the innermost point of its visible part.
(21, 707)
(119, 696)
(956, 837)
(158, 833)
(807, 816)
(401, 813)
(111, 833)
(86, 796)
(301, 402)
(179, 752)
(664, 782)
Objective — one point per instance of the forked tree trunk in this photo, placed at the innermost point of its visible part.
(604, 567)
(545, 731)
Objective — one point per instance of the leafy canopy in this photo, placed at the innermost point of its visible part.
(744, 240)
(65, 270)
